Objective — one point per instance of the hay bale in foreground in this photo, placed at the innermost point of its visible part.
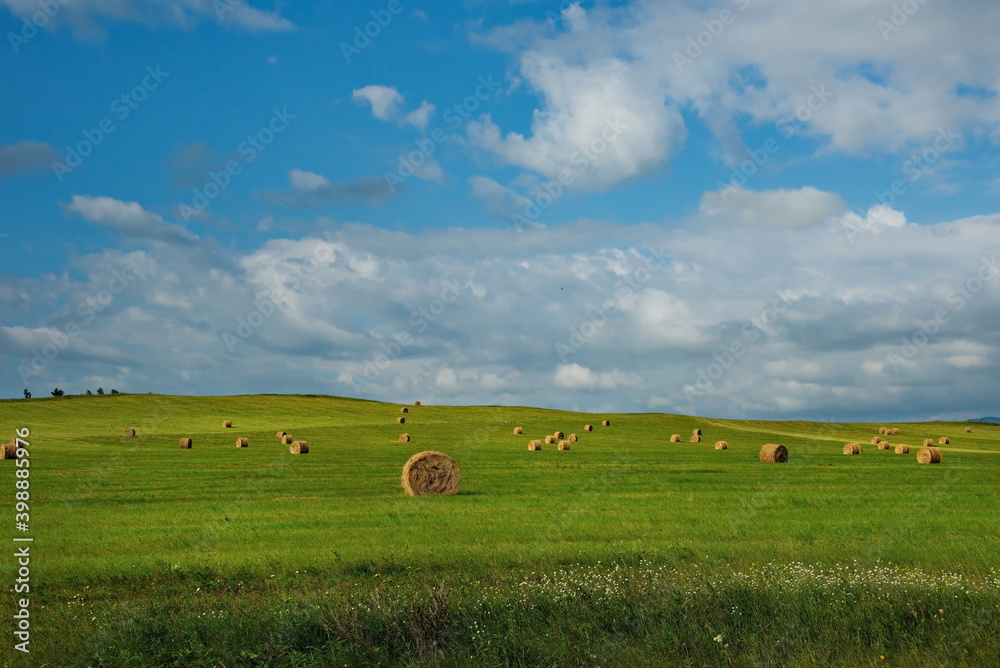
(588, 427)
(929, 456)
(430, 472)
(721, 445)
(299, 448)
(186, 443)
(696, 432)
(563, 445)
(404, 438)
(404, 409)
(8, 450)
(518, 430)
(606, 423)
(534, 445)
(550, 439)
(227, 424)
(559, 435)
(928, 442)
(129, 432)
(572, 438)
(695, 438)
(968, 430)
(853, 449)
(401, 420)
(772, 453)
(242, 442)
(675, 438)
(287, 439)
(280, 435)
(902, 449)
(884, 445)
(943, 440)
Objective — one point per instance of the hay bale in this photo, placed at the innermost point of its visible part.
(299, 448)
(416, 403)
(129, 432)
(968, 430)
(895, 430)
(559, 435)
(876, 440)
(605, 423)
(550, 439)
(227, 424)
(563, 445)
(902, 449)
(534, 445)
(696, 432)
(695, 438)
(430, 473)
(675, 438)
(401, 420)
(404, 409)
(287, 439)
(8, 450)
(588, 427)
(280, 435)
(773, 453)
(852, 449)
(884, 445)
(721, 445)
(928, 442)
(881, 430)
(186, 443)
(929, 456)
(943, 440)
(404, 438)
(572, 438)
(242, 442)
(518, 430)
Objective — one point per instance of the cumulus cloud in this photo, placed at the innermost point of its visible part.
(25, 156)
(775, 208)
(385, 103)
(311, 190)
(128, 218)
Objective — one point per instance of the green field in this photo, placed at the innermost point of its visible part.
(626, 550)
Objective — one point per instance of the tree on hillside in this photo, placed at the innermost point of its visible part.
(113, 391)
(100, 390)
(89, 392)
(57, 392)
(27, 395)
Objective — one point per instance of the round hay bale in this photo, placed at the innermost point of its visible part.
(129, 432)
(416, 403)
(550, 439)
(227, 424)
(242, 442)
(852, 449)
(902, 449)
(881, 430)
(773, 453)
(563, 445)
(721, 445)
(695, 438)
(404, 438)
(876, 440)
(280, 435)
(884, 445)
(559, 435)
(572, 438)
(696, 432)
(929, 456)
(518, 430)
(943, 440)
(606, 423)
(588, 427)
(895, 430)
(186, 443)
(675, 438)
(299, 448)
(8, 451)
(287, 439)
(401, 420)
(534, 445)
(404, 409)
(928, 442)
(430, 473)
(968, 430)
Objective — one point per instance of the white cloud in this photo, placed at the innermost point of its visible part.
(773, 208)
(384, 100)
(128, 218)
(419, 117)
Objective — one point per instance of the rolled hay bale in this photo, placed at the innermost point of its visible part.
(884, 445)
(902, 449)
(404, 409)
(416, 403)
(876, 439)
(534, 445)
(404, 438)
(243, 442)
(518, 430)
(588, 427)
(696, 432)
(943, 440)
(401, 420)
(675, 438)
(559, 435)
(772, 453)
(721, 445)
(227, 424)
(129, 432)
(968, 430)
(563, 445)
(186, 443)
(929, 456)
(605, 423)
(299, 448)
(853, 449)
(287, 439)
(430, 473)
(572, 438)
(881, 430)
(928, 442)
(550, 439)
(280, 435)
(8, 450)
(895, 430)
(695, 438)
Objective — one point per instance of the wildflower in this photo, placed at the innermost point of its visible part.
(718, 638)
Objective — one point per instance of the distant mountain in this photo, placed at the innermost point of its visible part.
(986, 419)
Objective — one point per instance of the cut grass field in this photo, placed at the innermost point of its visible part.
(148, 554)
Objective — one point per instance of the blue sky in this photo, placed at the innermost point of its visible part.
(753, 145)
